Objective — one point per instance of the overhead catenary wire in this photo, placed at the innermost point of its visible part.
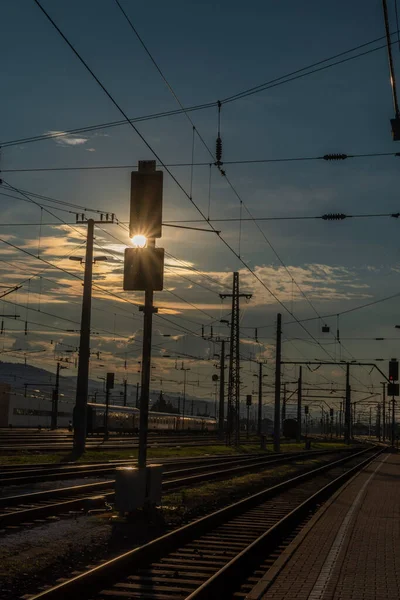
(218, 154)
(326, 217)
(203, 106)
(111, 98)
(174, 178)
(163, 164)
(330, 157)
(335, 314)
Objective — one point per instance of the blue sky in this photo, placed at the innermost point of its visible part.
(208, 51)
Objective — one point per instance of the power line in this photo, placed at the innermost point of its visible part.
(326, 217)
(169, 172)
(218, 163)
(207, 148)
(57, 201)
(299, 73)
(343, 312)
(289, 159)
(111, 98)
(213, 104)
(168, 291)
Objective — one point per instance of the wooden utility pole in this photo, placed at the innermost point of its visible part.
(277, 411)
(80, 411)
(299, 392)
(260, 378)
(221, 414)
(82, 382)
(347, 408)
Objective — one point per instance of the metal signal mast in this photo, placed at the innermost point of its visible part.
(233, 416)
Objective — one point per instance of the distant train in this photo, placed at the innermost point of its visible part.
(17, 410)
(125, 419)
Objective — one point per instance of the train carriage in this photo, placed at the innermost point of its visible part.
(125, 419)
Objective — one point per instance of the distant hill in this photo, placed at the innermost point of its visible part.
(40, 383)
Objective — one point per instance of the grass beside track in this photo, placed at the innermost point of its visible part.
(185, 504)
(29, 457)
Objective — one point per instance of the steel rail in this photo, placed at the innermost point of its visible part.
(91, 582)
(38, 505)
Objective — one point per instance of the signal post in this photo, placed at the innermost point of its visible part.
(143, 271)
(393, 390)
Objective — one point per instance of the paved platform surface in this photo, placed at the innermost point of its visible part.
(351, 551)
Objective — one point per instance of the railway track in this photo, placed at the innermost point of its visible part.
(49, 441)
(119, 445)
(28, 509)
(212, 557)
(74, 470)
(32, 475)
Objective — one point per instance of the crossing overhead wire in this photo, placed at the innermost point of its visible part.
(119, 258)
(218, 157)
(218, 154)
(203, 106)
(326, 217)
(52, 264)
(115, 103)
(184, 264)
(309, 70)
(125, 314)
(56, 201)
(335, 314)
(288, 159)
(42, 205)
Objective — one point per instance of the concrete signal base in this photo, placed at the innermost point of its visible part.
(137, 488)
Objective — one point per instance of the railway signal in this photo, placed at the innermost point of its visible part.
(248, 405)
(393, 370)
(143, 271)
(146, 202)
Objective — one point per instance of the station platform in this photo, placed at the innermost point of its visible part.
(350, 549)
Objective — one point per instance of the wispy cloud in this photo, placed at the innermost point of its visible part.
(68, 139)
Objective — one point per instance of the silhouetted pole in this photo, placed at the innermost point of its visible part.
(284, 404)
(277, 411)
(299, 391)
(125, 391)
(137, 395)
(148, 310)
(347, 409)
(378, 423)
(393, 422)
(221, 390)
(80, 411)
(54, 412)
(384, 411)
(260, 377)
(106, 412)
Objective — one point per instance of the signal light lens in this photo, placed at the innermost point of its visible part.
(139, 241)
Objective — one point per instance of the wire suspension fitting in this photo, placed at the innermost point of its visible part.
(335, 156)
(218, 145)
(334, 217)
